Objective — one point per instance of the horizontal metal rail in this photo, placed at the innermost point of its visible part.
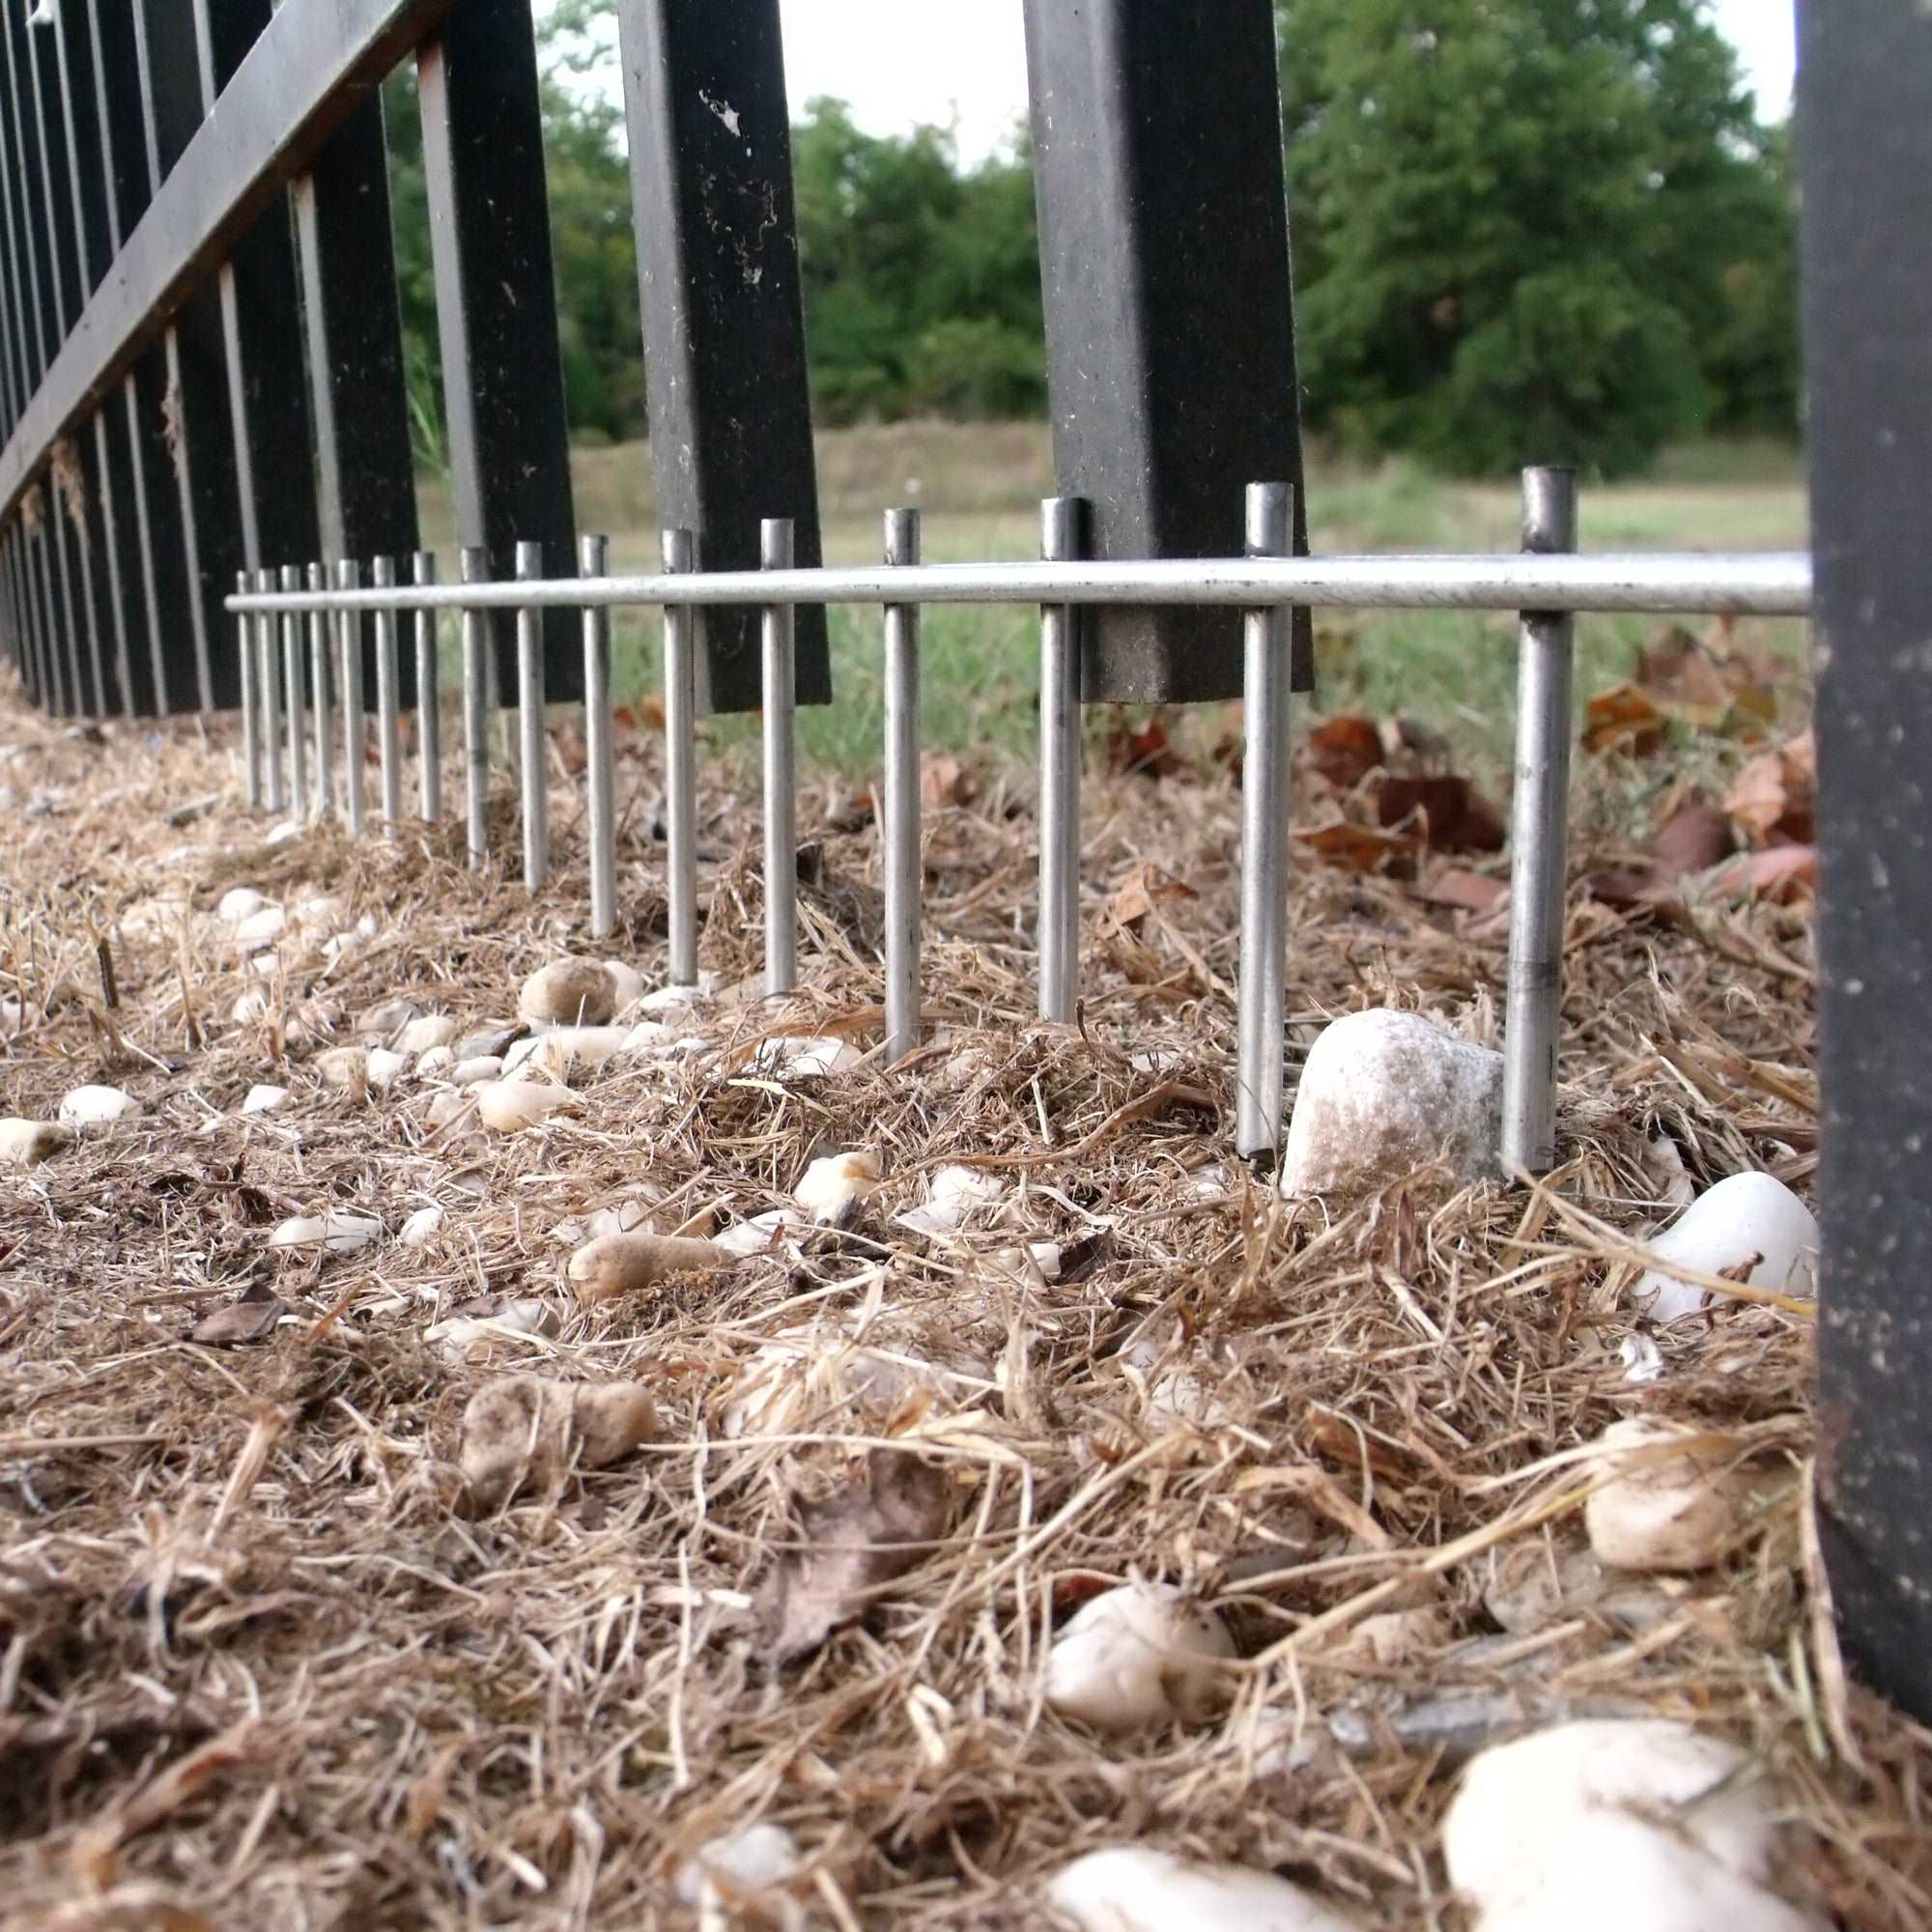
(309, 70)
(1776, 583)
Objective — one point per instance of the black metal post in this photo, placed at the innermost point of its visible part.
(1170, 327)
(1864, 142)
(365, 468)
(496, 298)
(162, 615)
(711, 200)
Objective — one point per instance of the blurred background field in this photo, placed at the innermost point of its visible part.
(980, 484)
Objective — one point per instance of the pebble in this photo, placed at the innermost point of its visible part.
(97, 1106)
(437, 1064)
(1660, 1512)
(759, 1234)
(240, 903)
(1384, 1094)
(564, 1050)
(486, 1042)
(615, 1265)
(805, 1058)
(520, 1430)
(261, 928)
(750, 1860)
(507, 1106)
(627, 985)
(262, 1098)
(427, 1032)
(1745, 1215)
(386, 1066)
(569, 992)
(421, 1228)
(344, 1066)
(387, 1017)
(953, 1196)
(340, 1232)
(252, 1007)
(479, 1066)
(835, 1184)
(1605, 1823)
(467, 1339)
(26, 1143)
(1139, 1889)
(1135, 1657)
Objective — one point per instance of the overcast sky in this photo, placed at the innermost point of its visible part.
(903, 62)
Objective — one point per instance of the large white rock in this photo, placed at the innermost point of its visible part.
(1137, 1889)
(1745, 1215)
(1384, 1094)
(1624, 1823)
(1137, 1655)
(97, 1106)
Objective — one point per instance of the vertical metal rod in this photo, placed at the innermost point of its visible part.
(1264, 807)
(530, 725)
(319, 626)
(291, 683)
(349, 683)
(476, 712)
(775, 553)
(680, 701)
(903, 871)
(383, 574)
(268, 696)
(429, 698)
(251, 718)
(593, 557)
(1060, 541)
(1539, 839)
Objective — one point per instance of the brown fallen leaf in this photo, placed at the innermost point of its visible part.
(942, 782)
(1355, 848)
(1623, 719)
(1773, 800)
(853, 1544)
(1779, 873)
(250, 1317)
(1450, 813)
(1466, 891)
(1345, 750)
(1677, 668)
(1141, 888)
(1140, 749)
(1693, 838)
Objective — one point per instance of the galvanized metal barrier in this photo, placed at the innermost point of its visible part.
(1548, 582)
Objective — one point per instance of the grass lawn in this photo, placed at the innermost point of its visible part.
(978, 484)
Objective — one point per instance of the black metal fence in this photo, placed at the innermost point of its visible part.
(207, 498)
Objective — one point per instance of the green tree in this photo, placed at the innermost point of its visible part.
(1529, 230)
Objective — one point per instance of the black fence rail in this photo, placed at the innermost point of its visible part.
(207, 502)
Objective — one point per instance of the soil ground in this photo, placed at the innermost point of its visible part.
(263, 1666)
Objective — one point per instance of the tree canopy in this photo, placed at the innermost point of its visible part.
(1518, 224)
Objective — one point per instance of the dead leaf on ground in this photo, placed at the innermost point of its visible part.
(250, 1317)
(944, 780)
(1450, 814)
(1779, 872)
(1693, 838)
(853, 1542)
(1142, 888)
(1345, 749)
(1623, 719)
(1141, 749)
(1355, 848)
(1710, 690)
(1464, 891)
(1773, 800)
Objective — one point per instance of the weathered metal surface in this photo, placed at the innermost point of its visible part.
(496, 302)
(1864, 141)
(1169, 333)
(711, 198)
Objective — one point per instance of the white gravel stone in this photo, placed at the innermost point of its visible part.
(1140, 1889)
(262, 1098)
(739, 1864)
(338, 1231)
(1137, 1655)
(427, 1032)
(97, 1107)
(1743, 1216)
(1384, 1094)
